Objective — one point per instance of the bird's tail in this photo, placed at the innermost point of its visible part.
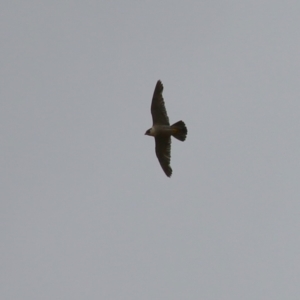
(179, 131)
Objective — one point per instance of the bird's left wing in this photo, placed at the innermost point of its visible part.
(158, 109)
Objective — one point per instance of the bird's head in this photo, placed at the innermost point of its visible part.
(148, 132)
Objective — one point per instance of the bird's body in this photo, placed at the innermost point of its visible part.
(162, 131)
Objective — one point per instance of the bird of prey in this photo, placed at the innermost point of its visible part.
(162, 131)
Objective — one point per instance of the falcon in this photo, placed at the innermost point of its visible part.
(162, 131)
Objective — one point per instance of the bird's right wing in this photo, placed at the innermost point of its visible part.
(158, 110)
(163, 153)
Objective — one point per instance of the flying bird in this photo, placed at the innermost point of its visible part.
(162, 131)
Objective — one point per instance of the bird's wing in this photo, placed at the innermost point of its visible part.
(158, 110)
(163, 153)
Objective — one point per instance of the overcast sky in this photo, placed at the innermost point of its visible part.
(86, 210)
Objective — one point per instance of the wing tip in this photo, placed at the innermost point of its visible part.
(168, 172)
(159, 85)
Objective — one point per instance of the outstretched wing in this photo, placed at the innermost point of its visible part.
(163, 153)
(158, 110)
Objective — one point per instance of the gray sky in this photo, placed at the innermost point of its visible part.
(87, 212)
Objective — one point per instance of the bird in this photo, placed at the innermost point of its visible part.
(162, 131)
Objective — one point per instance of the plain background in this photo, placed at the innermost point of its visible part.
(87, 212)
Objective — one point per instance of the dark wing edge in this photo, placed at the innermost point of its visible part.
(163, 153)
(158, 109)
